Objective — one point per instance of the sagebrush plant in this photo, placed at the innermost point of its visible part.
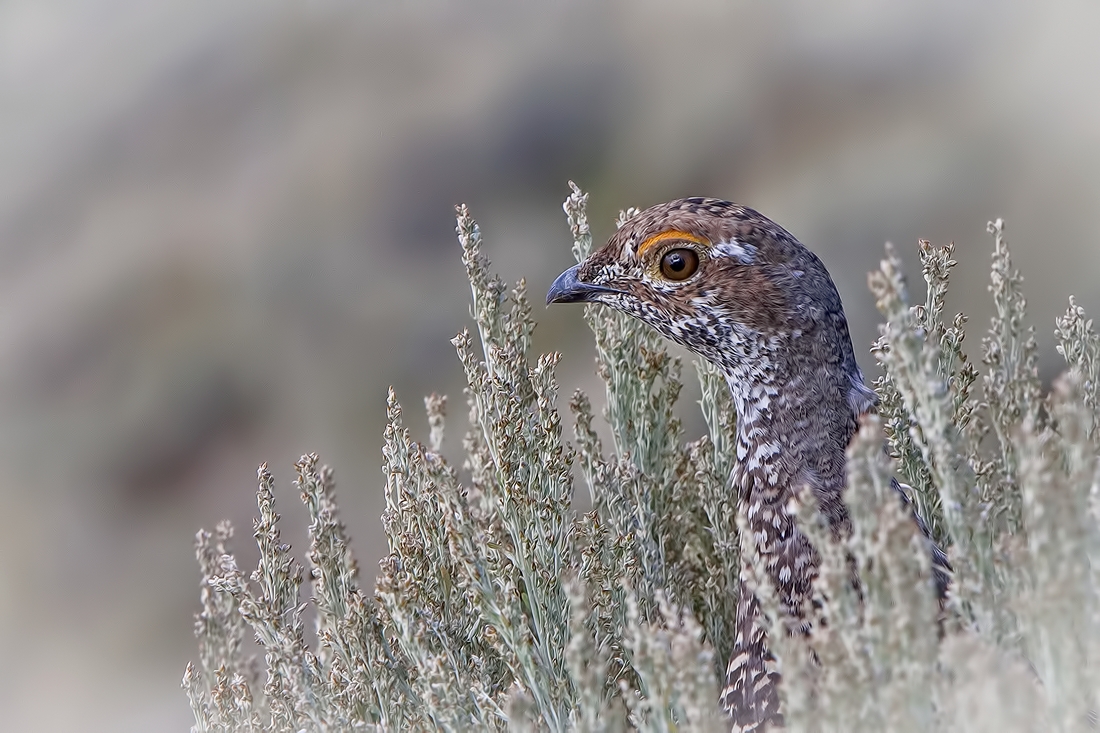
(501, 606)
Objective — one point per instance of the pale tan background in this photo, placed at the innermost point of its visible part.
(226, 227)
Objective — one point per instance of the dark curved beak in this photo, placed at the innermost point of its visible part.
(568, 289)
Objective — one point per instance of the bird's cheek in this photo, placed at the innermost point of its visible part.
(616, 300)
(624, 292)
(627, 303)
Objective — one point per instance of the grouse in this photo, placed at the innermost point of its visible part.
(737, 289)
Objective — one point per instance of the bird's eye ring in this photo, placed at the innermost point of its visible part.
(679, 264)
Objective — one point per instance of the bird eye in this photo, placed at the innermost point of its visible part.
(679, 264)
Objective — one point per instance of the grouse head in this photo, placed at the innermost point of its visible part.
(731, 285)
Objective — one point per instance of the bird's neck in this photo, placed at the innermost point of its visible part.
(794, 422)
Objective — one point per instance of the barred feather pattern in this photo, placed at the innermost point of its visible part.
(785, 441)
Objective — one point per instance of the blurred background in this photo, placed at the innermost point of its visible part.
(225, 228)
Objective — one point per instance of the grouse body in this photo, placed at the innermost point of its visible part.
(739, 290)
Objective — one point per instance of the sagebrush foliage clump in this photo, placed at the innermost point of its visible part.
(501, 606)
